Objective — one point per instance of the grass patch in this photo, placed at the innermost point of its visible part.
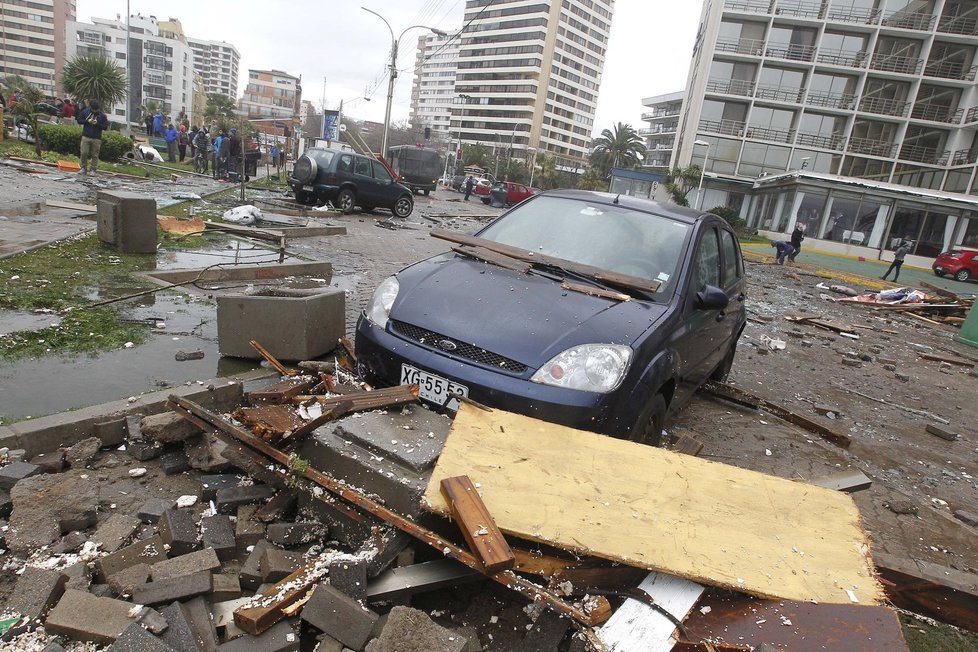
(14, 147)
(922, 636)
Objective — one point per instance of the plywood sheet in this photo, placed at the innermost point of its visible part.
(647, 507)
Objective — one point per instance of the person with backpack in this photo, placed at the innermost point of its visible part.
(202, 144)
(182, 141)
(902, 250)
(93, 122)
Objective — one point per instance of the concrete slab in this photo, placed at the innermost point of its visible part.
(84, 617)
(136, 639)
(185, 565)
(37, 591)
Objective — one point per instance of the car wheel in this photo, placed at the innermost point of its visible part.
(938, 272)
(648, 427)
(403, 206)
(723, 369)
(962, 275)
(346, 200)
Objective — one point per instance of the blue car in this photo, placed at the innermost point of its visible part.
(592, 310)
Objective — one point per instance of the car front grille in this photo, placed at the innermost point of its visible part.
(461, 350)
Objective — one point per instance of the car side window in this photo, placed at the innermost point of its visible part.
(523, 189)
(380, 172)
(345, 164)
(363, 166)
(731, 259)
(706, 261)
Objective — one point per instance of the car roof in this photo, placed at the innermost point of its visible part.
(323, 150)
(672, 211)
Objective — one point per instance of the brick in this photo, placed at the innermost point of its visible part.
(175, 588)
(250, 573)
(70, 542)
(84, 617)
(80, 454)
(167, 427)
(50, 462)
(217, 533)
(247, 530)
(37, 591)
(278, 564)
(230, 498)
(279, 638)
(334, 613)
(178, 634)
(210, 484)
(406, 624)
(7, 505)
(943, 433)
(968, 518)
(290, 535)
(184, 565)
(53, 647)
(79, 576)
(144, 450)
(350, 577)
(147, 551)
(179, 531)
(280, 507)
(849, 362)
(115, 532)
(153, 509)
(125, 581)
(226, 587)
(198, 615)
(546, 634)
(136, 639)
(151, 619)
(174, 462)
(14, 473)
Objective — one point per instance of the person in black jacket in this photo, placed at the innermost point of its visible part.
(796, 237)
(93, 122)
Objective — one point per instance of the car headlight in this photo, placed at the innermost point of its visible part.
(379, 309)
(589, 367)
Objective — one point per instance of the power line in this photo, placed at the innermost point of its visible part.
(457, 34)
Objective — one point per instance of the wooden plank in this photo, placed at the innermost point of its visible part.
(605, 577)
(946, 594)
(266, 608)
(638, 627)
(961, 362)
(539, 564)
(595, 291)
(270, 422)
(488, 256)
(364, 401)
(922, 318)
(687, 445)
(479, 529)
(276, 365)
(70, 205)
(657, 510)
(591, 612)
(939, 291)
(847, 481)
(624, 280)
(335, 412)
(249, 231)
(281, 392)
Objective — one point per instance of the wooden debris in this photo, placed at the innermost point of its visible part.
(70, 205)
(270, 235)
(961, 362)
(350, 363)
(847, 481)
(488, 256)
(905, 408)
(638, 626)
(922, 318)
(276, 365)
(179, 226)
(949, 595)
(267, 608)
(595, 291)
(937, 431)
(277, 508)
(270, 422)
(335, 412)
(364, 401)
(824, 324)
(687, 445)
(478, 527)
(281, 392)
(939, 291)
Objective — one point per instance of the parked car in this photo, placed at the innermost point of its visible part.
(962, 264)
(606, 313)
(347, 180)
(515, 192)
(458, 182)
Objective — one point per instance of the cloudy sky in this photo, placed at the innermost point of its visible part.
(340, 51)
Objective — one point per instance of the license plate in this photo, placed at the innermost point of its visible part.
(308, 188)
(433, 388)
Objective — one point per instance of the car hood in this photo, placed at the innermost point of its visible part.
(525, 317)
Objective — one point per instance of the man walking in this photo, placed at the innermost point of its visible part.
(170, 136)
(469, 184)
(234, 152)
(796, 237)
(93, 123)
(898, 257)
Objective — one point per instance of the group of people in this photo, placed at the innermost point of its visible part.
(222, 155)
(790, 249)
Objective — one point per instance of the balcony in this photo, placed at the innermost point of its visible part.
(766, 133)
(741, 46)
(847, 58)
(884, 106)
(749, 6)
(950, 70)
(910, 20)
(800, 8)
(723, 127)
(928, 155)
(779, 94)
(792, 51)
(855, 15)
(971, 116)
(936, 113)
(871, 147)
(845, 101)
(895, 63)
(835, 141)
(965, 157)
(742, 87)
(654, 115)
(958, 25)
(91, 39)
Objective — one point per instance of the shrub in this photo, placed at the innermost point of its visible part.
(728, 214)
(66, 139)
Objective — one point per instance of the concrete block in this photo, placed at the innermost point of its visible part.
(189, 564)
(208, 453)
(37, 591)
(7, 505)
(334, 613)
(217, 533)
(116, 531)
(111, 432)
(290, 328)
(168, 428)
(151, 619)
(229, 499)
(290, 535)
(546, 634)
(279, 638)
(71, 542)
(227, 586)
(247, 530)
(178, 634)
(53, 647)
(174, 462)
(179, 531)
(198, 615)
(148, 551)
(136, 639)
(278, 564)
(79, 576)
(968, 518)
(14, 473)
(153, 509)
(175, 588)
(84, 617)
(350, 577)
(410, 629)
(53, 462)
(250, 574)
(126, 221)
(211, 483)
(81, 454)
(125, 581)
(943, 433)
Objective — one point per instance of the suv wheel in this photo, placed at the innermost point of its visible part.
(305, 170)
(648, 427)
(403, 206)
(302, 197)
(346, 200)
(962, 275)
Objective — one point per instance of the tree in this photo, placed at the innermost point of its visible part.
(26, 110)
(681, 182)
(95, 77)
(548, 177)
(591, 180)
(479, 155)
(221, 111)
(621, 148)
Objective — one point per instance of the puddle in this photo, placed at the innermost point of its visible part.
(11, 322)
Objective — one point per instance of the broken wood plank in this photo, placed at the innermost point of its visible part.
(939, 291)
(267, 608)
(277, 508)
(943, 593)
(270, 422)
(593, 612)
(478, 527)
(961, 362)
(70, 205)
(351, 355)
(922, 318)
(605, 577)
(248, 231)
(335, 412)
(638, 626)
(281, 392)
(687, 445)
(847, 481)
(420, 578)
(937, 431)
(595, 291)
(488, 256)
(364, 401)
(276, 365)
(534, 563)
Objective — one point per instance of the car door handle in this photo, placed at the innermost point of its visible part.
(721, 315)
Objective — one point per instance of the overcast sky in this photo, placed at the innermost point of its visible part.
(339, 43)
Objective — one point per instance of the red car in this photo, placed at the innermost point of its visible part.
(515, 192)
(962, 264)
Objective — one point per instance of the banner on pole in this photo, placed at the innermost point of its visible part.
(331, 121)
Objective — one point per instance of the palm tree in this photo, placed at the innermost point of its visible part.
(221, 111)
(621, 148)
(95, 77)
(681, 182)
(591, 180)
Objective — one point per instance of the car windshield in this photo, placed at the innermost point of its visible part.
(614, 238)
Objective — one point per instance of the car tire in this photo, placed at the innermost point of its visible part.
(346, 201)
(962, 275)
(648, 427)
(723, 369)
(305, 170)
(302, 197)
(403, 206)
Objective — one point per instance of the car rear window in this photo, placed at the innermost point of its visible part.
(323, 158)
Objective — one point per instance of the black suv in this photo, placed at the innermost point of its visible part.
(347, 180)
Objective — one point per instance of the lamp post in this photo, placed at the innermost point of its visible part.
(393, 70)
(706, 157)
(465, 100)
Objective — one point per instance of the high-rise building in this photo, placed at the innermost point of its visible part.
(660, 135)
(875, 89)
(217, 63)
(433, 89)
(528, 76)
(272, 101)
(32, 40)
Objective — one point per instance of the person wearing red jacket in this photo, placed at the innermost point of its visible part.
(67, 110)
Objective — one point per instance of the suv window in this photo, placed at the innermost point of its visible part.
(731, 259)
(381, 173)
(706, 264)
(345, 164)
(363, 166)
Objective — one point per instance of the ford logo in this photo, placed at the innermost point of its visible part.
(447, 345)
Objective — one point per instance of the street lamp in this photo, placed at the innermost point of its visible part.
(706, 157)
(465, 100)
(393, 70)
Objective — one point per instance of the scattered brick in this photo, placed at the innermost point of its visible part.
(227, 586)
(115, 532)
(350, 577)
(250, 573)
(168, 427)
(247, 530)
(148, 551)
(943, 433)
(277, 564)
(210, 484)
(229, 499)
(83, 452)
(290, 535)
(198, 615)
(50, 462)
(125, 581)
(14, 473)
(153, 509)
(280, 638)
(406, 624)
(179, 531)
(69, 543)
(6, 504)
(151, 619)
(37, 591)
(136, 639)
(340, 616)
(184, 565)
(178, 634)
(174, 462)
(280, 507)
(849, 362)
(84, 617)
(138, 445)
(968, 518)
(79, 576)
(218, 533)
(174, 588)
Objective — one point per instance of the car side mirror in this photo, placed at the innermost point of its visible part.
(711, 298)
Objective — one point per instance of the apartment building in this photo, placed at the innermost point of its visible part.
(660, 135)
(272, 101)
(32, 40)
(433, 88)
(217, 63)
(528, 76)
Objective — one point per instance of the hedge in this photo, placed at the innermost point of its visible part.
(66, 139)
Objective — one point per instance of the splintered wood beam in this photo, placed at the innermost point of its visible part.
(270, 422)
(276, 365)
(272, 604)
(593, 612)
(281, 392)
(961, 362)
(687, 445)
(348, 351)
(489, 256)
(363, 401)
(484, 537)
(939, 291)
(595, 291)
(335, 412)
(946, 594)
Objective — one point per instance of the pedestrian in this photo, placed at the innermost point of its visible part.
(217, 146)
(275, 156)
(902, 250)
(191, 138)
(3, 126)
(281, 158)
(67, 110)
(182, 141)
(149, 124)
(469, 184)
(93, 122)
(796, 237)
(171, 137)
(783, 248)
(234, 151)
(158, 123)
(202, 142)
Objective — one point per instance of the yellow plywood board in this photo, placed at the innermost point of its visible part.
(651, 508)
